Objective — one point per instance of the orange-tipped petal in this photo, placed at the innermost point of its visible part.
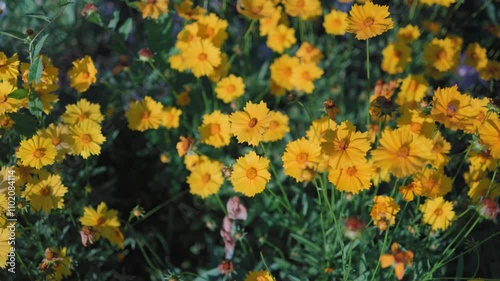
(400, 270)
(386, 260)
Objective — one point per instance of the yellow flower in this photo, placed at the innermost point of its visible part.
(401, 152)
(82, 74)
(335, 22)
(250, 174)
(212, 28)
(490, 71)
(8, 104)
(441, 149)
(408, 34)
(261, 275)
(304, 75)
(396, 57)
(250, 124)
(278, 127)
(301, 159)
(144, 115)
(6, 122)
(37, 152)
(345, 146)
(215, 129)
(191, 161)
(60, 264)
(369, 20)
(46, 193)
(255, 9)
(186, 36)
(444, 3)
(384, 211)
(205, 179)
(9, 67)
(489, 134)
(309, 54)
(440, 54)
(105, 222)
(202, 57)
(178, 62)
(434, 182)
(479, 189)
(86, 138)
(82, 110)
(184, 145)
(305, 9)
(282, 71)
(410, 190)
(475, 56)
(481, 160)
(185, 10)
(281, 38)
(412, 90)
(480, 113)
(59, 134)
(319, 128)
(50, 74)
(452, 108)
(230, 88)
(222, 70)
(353, 178)
(152, 8)
(4, 246)
(438, 213)
(417, 122)
(268, 23)
(170, 118)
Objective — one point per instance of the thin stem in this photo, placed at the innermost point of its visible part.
(220, 203)
(383, 248)
(492, 179)
(162, 76)
(289, 206)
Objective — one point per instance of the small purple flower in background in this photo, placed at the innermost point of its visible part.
(235, 210)
(343, 5)
(466, 76)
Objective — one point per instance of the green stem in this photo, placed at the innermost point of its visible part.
(220, 203)
(164, 78)
(492, 179)
(285, 197)
(381, 252)
(462, 163)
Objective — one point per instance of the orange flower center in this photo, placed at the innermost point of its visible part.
(368, 21)
(442, 55)
(343, 144)
(300, 4)
(83, 116)
(209, 32)
(351, 171)
(252, 123)
(306, 76)
(56, 141)
(273, 125)
(100, 221)
(205, 178)
(151, 2)
(336, 22)
(214, 129)
(202, 56)
(413, 86)
(437, 148)
(474, 56)
(86, 138)
(85, 75)
(399, 256)
(3, 98)
(4, 122)
(230, 88)
(287, 71)
(260, 278)
(301, 158)
(403, 152)
(45, 191)
(39, 153)
(397, 54)
(256, 10)
(145, 115)
(415, 127)
(438, 212)
(251, 173)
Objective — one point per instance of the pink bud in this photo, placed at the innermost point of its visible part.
(488, 209)
(89, 9)
(235, 210)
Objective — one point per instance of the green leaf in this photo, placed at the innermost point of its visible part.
(63, 3)
(126, 28)
(114, 21)
(38, 16)
(13, 34)
(25, 124)
(95, 18)
(35, 105)
(19, 94)
(312, 246)
(39, 45)
(35, 71)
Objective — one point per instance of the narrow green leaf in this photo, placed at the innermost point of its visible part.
(35, 71)
(63, 3)
(126, 28)
(19, 94)
(39, 45)
(24, 124)
(38, 16)
(312, 246)
(13, 34)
